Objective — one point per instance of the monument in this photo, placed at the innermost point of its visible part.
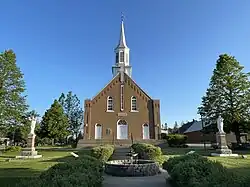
(29, 151)
(223, 149)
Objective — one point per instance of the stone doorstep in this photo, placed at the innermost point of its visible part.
(224, 155)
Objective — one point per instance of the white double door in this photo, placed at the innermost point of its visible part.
(122, 131)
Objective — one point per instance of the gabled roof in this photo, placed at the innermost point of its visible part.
(185, 126)
(105, 86)
(129, 78)
(196, 126)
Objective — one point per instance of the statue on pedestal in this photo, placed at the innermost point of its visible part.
(220, 125)
(33, 125)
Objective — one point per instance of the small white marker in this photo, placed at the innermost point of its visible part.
(190, 152)
(74, 155)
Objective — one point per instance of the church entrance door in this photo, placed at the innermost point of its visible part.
(98, 131)
(122, 130)
(145, 132)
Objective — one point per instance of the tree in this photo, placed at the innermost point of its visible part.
(228, 95)
(12, 86)
(176, 128)
(165, 126)
(72, 109)
(19, 133)
(54, 123)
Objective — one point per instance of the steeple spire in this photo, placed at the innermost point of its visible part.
(122, 54)
(122, 42)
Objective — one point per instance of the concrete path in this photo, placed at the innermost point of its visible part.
(151, 181)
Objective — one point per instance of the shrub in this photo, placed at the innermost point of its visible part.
(196, 171)
(148, 152)
(176, 140)
(103, 152)
(13, 149)
(172, 161)
(83, 171)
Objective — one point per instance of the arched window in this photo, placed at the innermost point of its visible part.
(133, 103)
(110, 103)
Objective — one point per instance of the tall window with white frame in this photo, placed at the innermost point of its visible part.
(122, 97)
(110, 104)
(133, 103)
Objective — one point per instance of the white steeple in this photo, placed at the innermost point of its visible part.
(122, 54)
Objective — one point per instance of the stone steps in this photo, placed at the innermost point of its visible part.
(116, 143)
(120, 153)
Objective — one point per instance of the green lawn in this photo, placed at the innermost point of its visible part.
(14, 169)
(238, 165)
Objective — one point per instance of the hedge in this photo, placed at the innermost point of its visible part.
(13, 149)
(148, 152)
(176, 140)
(84, 171)
(103, 152)
(196, 171)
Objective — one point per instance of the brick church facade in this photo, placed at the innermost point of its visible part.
(121, 109)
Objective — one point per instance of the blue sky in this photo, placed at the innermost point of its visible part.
(174, 46)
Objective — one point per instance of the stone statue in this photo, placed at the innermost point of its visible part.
(33, 125)
(220, 124)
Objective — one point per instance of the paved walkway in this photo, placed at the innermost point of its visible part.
(151, 181)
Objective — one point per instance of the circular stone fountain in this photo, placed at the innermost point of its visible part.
(128, 168)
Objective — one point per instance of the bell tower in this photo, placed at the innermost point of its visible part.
(122, 54)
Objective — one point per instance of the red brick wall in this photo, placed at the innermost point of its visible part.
(197, 137)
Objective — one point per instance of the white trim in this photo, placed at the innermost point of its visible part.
(134, 111)
(131, 108)
(117, 124)
(110, 111)
(97, 138)
(112, 101)
(122, 98)
(143, 126)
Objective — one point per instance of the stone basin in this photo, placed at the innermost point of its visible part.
(136, 168)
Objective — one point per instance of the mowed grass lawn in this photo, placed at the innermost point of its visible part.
(237, 164)
(15, 169)
(11, 171)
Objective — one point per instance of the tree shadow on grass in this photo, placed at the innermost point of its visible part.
(11, 177)
(69, 157)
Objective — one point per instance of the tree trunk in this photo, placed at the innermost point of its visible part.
(237, 134)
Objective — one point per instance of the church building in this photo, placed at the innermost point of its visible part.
(121, 110)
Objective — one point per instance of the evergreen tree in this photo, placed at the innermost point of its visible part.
(12, 101)
(176, 127)
(73, 110)
(228, 95)
(54, 123)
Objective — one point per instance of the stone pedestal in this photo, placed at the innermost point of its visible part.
(223, 149)
(29, 151)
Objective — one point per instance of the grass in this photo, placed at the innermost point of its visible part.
(236, 164)
(15, 169)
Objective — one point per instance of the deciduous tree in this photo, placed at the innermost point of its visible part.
(12, 86)
(73, 110)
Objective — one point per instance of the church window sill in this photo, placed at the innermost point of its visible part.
(134, 111)
(110, 111)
